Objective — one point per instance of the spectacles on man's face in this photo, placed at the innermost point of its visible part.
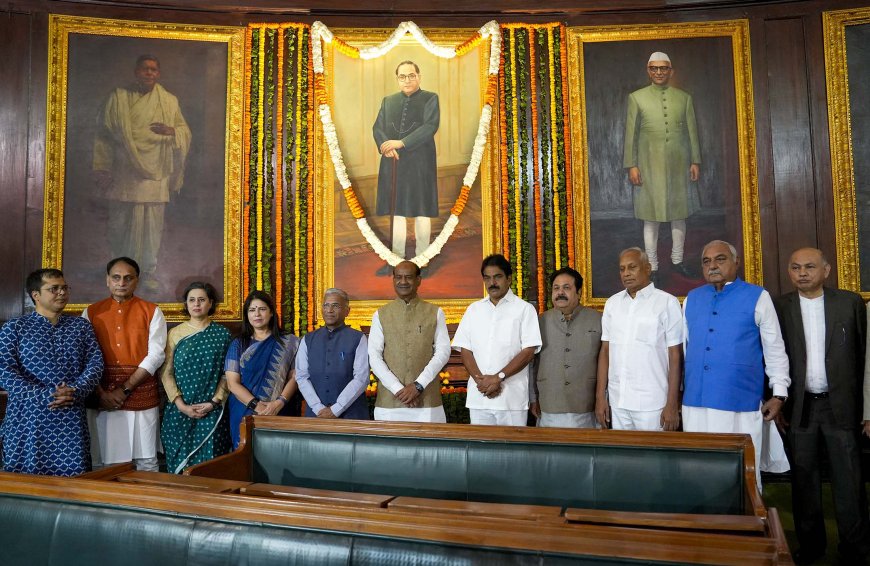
(57, 289)
(411, 77)
(332, 306)
(656, 70)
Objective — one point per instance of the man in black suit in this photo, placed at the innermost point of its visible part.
(824, 331)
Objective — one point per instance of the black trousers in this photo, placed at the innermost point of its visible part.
(850, 501)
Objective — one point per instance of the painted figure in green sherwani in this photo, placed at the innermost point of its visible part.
(662, 156)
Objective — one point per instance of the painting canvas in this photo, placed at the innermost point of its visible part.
(700, 116)
(144, 157)
(358, 88)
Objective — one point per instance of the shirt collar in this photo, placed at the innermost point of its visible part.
(508, 298)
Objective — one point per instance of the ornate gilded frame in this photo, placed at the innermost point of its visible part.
(840, 127)
(60, 29)
(363, 310)
(738, 32)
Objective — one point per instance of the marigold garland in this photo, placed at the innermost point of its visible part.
(555, 154)
(279, 186)
(308, 101)
(503, 158)
(246, 179)
(261, 72)
(268, 162)
(518, 219)
(539, 243)
(566, 145)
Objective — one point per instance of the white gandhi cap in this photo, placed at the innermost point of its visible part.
(659, 56)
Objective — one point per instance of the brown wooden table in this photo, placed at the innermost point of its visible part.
(477, 508)
(205, 485)
(679, 521)
(319, 496)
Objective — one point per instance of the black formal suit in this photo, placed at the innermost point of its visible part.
(833, 419)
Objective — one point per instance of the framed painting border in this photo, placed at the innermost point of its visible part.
(738, 32)
(491, 229)
(834, 25)
(60, 28)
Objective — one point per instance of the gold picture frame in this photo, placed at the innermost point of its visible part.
(613, 53)
(844, 136)
(205, 59)
(329, 202)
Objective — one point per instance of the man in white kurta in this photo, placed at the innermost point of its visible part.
(139, 156)
(498, 336)
(408, 347)
(733, 340)
(640, 365)
(132, 335)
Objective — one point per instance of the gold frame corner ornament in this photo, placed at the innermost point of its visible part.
(60, 27)
(738, 32)
(834, 24)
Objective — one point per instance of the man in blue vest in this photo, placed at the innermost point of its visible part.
(332, 364)
(732, 340)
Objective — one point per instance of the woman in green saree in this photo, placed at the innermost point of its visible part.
(193, 429)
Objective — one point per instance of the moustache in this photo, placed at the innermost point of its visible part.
(561, 298)
(714, 272)
(493, 287)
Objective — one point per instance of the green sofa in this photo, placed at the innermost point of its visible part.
(613, 470)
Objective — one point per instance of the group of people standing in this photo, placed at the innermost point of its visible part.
(731, 360)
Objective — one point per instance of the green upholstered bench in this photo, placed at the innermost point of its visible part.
(610, 470)
(70, 522)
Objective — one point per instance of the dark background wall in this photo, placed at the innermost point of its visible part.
(795, 186)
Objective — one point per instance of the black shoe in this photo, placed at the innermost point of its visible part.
(682, 270)
(387, 269)
(806, 556)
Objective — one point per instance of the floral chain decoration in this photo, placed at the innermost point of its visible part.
(321, 34)
(534, 113)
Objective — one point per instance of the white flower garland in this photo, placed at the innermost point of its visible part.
(319, 32)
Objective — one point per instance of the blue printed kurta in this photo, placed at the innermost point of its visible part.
(36, 357)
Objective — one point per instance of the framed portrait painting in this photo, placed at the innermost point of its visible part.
(406, 204)
(664, 150)
(847, 55)
(144, 157)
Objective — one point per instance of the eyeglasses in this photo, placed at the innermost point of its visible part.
(654, 70)
(332, 306)
(56, 289)
(403, 78)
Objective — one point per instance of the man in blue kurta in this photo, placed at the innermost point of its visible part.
(732, 340)
(408, 174)
(662, 155)
(332, 364)
(49, 364)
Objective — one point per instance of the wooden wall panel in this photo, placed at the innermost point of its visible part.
(14, 110)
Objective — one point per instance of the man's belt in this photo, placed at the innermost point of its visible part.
(145, 396)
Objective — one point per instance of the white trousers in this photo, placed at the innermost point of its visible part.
(651, 241)
(568, 420)
(135, 230)
(624, 419)
(125, 436)
(421, 415)
(422, 233)
(498, 418)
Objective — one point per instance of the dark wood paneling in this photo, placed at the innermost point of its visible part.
(15, 94)
(791, 139)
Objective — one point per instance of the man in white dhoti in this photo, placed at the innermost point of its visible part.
(140, 150)
(408, 346)
(132, 336)
(732, 340)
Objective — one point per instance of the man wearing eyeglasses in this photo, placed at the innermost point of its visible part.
(662, 156)
(332, 364)
(404, 132)
(132, 336)
(49, 364)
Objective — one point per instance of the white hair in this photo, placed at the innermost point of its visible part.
(643, 257)
(721, 243)
(336, 291)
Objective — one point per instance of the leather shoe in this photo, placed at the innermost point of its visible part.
(682, 270)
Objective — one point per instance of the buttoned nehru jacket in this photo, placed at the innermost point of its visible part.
(564, 375)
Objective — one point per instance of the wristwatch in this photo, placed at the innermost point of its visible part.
(252, 404)
(782, 398)
(127, 391)
(419, 387)
(214, 405)
(502, 376)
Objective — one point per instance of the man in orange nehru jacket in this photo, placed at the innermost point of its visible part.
(132, 336)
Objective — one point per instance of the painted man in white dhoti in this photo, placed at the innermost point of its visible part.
(139, 156)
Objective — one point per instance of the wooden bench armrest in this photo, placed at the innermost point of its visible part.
(680, 521)
(233, 466)
(776, 532)
(175, 481)
(109, 472)
(321, 496)
(478, 508)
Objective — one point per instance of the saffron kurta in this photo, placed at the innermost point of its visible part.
(661, 139)
(36, 357)
(194, 369)
(413, 119)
